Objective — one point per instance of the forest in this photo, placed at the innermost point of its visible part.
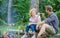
(19, 13)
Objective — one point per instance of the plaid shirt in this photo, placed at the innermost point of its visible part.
(53, 21)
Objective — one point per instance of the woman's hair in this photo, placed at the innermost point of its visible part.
(30, 13)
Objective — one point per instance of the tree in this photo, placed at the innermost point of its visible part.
(22, 11)
(34, 4)
(0, 2)
(3, 10)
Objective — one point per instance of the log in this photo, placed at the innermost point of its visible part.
(20, 32)
(57, 34)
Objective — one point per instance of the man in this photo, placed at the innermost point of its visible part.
(50, 24)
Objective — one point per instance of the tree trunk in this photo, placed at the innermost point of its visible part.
(34, 4)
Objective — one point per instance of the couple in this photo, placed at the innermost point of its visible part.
(48, 25)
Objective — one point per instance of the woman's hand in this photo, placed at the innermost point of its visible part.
(29, 24)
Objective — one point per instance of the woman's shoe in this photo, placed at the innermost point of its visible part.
(24, 36)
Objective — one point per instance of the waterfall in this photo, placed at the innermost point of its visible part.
(9, 12)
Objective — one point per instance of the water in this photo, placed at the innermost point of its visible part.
(9, 12)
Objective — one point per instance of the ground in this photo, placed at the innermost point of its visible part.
(6, 28)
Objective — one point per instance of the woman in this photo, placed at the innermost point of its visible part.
(33, 21)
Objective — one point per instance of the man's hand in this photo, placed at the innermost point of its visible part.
(37, 27)
(43, 15)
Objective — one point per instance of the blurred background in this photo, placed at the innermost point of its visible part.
(14, 14)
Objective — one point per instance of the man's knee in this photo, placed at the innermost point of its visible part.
(46, 25)
(38, 36)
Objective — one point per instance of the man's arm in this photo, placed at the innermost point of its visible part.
(43, 15)
(43, 22)
(50, 19)
(39, 24)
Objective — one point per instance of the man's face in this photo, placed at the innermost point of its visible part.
(47, 11)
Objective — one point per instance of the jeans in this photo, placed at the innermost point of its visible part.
(32, 27)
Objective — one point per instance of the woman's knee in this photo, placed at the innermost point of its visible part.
(33, 28)
(27, 28)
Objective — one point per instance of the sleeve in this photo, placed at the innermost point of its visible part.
(39, 19)
(50, 19)
(30, 19)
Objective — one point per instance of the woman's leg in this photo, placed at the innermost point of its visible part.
(27, 29)
(26, 33)
(33, 28)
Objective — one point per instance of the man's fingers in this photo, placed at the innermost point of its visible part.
(37, 28)
(43, 14)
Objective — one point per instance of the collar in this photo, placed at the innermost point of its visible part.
(51, 14)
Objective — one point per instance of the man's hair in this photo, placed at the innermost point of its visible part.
(49, 8)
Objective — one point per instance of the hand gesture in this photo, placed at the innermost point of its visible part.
(43, 15)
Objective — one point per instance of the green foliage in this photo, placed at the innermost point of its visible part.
(58, 14)
(54, 3)
(22, 9)
(0, 2)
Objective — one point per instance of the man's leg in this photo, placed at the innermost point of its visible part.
(44, 28)
(50, 29)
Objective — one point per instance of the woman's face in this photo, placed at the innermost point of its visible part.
(33, 13)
